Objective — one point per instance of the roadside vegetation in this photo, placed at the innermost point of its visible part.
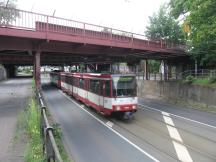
(209, 81)
(34, 151)
(58, 137)
(28, 128)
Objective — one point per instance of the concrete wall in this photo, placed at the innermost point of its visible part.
(3, 74)
(176, 91)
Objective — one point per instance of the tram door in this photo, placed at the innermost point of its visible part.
(102, 87)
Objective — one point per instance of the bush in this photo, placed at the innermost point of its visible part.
(189, 79)
(212, 79)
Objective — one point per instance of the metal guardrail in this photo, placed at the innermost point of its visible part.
(49, 145)
(159, 76)
(25, 20)
(199, 73)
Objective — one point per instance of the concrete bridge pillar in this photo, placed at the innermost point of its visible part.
(165, 70)
(10, 71)
(37, 66)
(3, 73)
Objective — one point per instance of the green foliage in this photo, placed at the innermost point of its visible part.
(154, 66)
(189, 79)
(163, 26)
(212, 79)
(201, 19)
(34, 152)
(203, 81)
(81, 67)
(8, 15)
(58, 137)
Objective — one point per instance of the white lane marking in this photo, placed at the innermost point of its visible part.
(114, 131)
(110, 124)
(181, 150)
(174, 134)
(168, 120)
(165, 113)
(201, 123)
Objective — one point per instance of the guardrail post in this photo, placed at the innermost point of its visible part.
(43, 125)
(49, 150)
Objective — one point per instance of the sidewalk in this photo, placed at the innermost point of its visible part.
(14, 95)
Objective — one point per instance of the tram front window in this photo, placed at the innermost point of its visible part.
(124, 86)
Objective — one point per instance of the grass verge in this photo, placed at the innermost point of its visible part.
(34, 152)
(28, 127)
(58, 137)
(204, 82)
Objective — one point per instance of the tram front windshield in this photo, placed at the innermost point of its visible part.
(124, 86)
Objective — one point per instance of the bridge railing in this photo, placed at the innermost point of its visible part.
(20, 19)
(49, 145)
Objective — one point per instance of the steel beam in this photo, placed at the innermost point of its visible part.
(37, 66)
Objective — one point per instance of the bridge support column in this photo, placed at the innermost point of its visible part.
(37, 67)
(165, 70)
(10, 71)
(146, 70)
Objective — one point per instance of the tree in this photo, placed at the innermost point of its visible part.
(154, 66)
(200, 18)
(7, 12)
(164, 26)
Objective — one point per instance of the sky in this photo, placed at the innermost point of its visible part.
(128, 15)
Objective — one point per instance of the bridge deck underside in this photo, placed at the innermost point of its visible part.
(20, 51)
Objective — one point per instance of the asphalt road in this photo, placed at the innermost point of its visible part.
(150, 136)
(14, 94)
(197, 115)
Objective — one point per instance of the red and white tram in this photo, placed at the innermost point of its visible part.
(107, 93)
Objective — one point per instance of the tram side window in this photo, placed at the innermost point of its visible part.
(101, 88)
(81, 83)
(107, 88)
(67, 79)
(74, 81)
(86, 82)
(94, 86)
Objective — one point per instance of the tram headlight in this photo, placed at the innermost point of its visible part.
(117, 108)
(133, 107)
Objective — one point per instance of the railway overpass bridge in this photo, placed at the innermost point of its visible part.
(28, 38)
